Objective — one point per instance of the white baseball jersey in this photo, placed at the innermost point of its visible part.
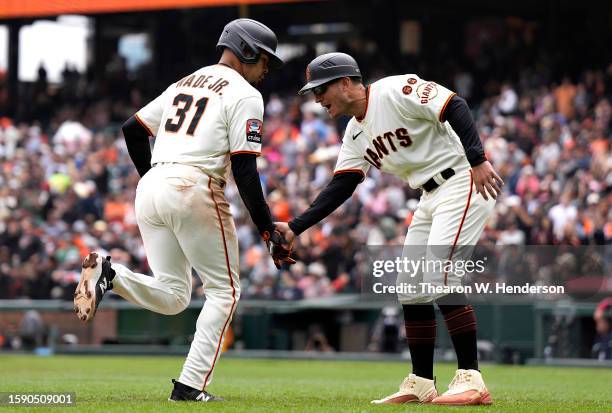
(204, 118)
(402, 133)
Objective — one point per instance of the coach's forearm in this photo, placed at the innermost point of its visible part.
(460, 118)
(244, 169)
(340, 188)
(137, 141)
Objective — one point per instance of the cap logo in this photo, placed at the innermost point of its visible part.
(308, 74)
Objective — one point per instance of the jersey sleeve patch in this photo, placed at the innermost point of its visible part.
(427, 92)
(254, 130)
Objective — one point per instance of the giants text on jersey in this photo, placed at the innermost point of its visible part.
(403, 132)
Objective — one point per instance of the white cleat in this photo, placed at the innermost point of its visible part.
(414, 389)
(466, 388)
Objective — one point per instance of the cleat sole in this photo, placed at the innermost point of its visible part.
(84, 295)
(475, 399)
(486, 399)
(91, 261)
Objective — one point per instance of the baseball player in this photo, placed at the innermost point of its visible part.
(424, 134)
(202, 123)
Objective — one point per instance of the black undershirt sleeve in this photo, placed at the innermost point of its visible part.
(339, 189)
(244, 168)
(137, 141)
(458, 114)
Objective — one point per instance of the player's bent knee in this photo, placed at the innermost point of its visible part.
(176, 307)
(173, 310)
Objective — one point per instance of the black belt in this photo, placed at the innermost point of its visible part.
(431, 184)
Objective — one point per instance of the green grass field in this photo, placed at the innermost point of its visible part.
(142, 384)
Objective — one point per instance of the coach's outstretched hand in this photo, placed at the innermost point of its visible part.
(487, 180)
(285, 230)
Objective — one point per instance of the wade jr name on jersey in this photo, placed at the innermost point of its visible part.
(201, 81)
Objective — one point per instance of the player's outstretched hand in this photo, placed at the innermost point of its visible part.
(487, 180)
(279, 248)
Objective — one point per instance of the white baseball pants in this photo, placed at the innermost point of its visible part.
(185, 222)
(446, 225)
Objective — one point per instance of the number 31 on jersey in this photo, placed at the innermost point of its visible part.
(183, 103)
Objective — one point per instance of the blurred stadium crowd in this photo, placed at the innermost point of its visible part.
(67, 184)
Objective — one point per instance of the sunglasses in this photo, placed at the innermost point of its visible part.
(319, 90)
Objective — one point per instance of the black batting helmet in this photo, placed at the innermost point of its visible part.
(248, 39)
(328, 67)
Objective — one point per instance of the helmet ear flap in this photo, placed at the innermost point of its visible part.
(248, 52)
